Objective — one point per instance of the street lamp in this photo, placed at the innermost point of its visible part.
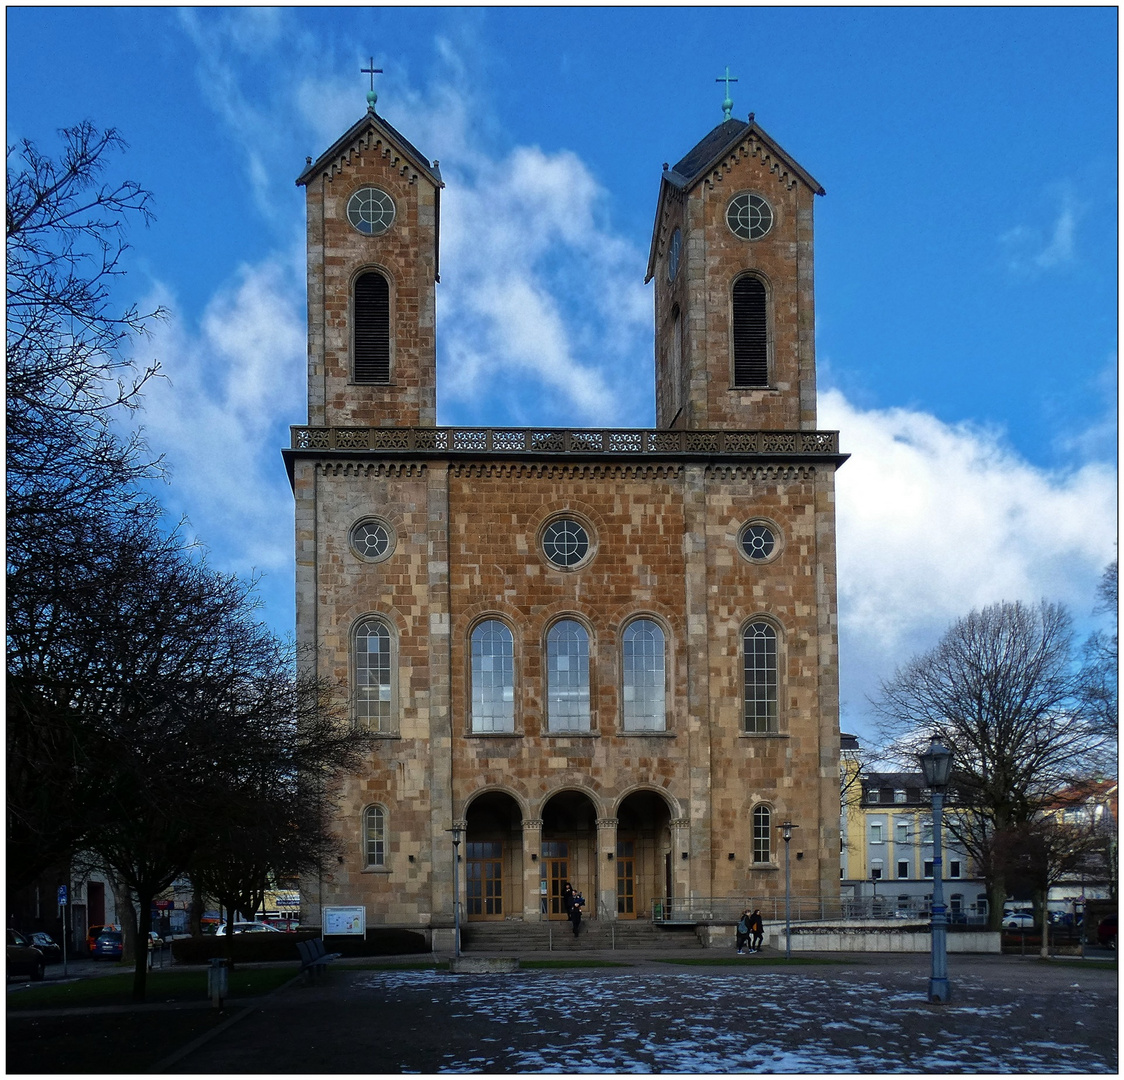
(786, 832)
(936, 764)
(456, 831)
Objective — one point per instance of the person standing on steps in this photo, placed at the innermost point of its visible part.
(567, 898)
(577, 902)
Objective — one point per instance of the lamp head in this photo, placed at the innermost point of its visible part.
(936, 764)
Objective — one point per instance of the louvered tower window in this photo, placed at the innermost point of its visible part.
(751, 333)
(372, 328)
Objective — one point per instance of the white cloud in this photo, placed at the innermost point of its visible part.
(1032, 249)
(232, 385)
(937, 519)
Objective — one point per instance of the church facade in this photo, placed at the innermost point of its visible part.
(607, 657)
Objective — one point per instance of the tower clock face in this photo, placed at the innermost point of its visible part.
(749, 216)
(371, 211)
(673, 255)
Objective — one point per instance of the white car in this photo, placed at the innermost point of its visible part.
(1018, 920)
(248, 928)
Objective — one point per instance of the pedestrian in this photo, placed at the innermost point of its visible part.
(576, 904)
(757, 929)
(567, 898)
(743, 932)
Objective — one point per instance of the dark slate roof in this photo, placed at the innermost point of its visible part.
(372, 119)
(705, 154)
(708, 148)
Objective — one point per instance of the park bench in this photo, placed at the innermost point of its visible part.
(314, 957)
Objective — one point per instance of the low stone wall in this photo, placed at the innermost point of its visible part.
(901, 941)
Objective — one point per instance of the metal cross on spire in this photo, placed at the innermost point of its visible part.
(728, 104)
(372, 97)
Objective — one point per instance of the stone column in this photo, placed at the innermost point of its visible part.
(606, 868)
(532, 871)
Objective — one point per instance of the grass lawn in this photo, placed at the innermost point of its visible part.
(748, 961)
(162, 986)
(528, 964)
(132, 1042)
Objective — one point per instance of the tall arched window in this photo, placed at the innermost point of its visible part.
(374, 836)
(762, 834)
(371, 328)
(759, 645)
(493, 677)
(374, 671)
(751, 332)
(567, 676)
(644, 683)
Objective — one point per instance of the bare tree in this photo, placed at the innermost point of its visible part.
(68, 375)
(1002, 691)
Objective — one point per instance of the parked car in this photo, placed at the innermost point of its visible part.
(289, 926)
(1018, 920)
(52, 953)
(155, 941)
(110, 943)
(94, 931)
(248, 928)
(23, 957)
(1106, 932)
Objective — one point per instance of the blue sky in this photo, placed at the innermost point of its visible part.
(966, 252)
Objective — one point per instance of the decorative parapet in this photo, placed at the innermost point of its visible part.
(566, 441)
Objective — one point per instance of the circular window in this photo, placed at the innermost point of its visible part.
(565, 543)
(760, 541)
(749, 216)
(371, 211)
(372, 540)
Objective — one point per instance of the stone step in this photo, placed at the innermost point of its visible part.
(558, 936)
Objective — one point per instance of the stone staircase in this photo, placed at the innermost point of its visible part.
(497, 938)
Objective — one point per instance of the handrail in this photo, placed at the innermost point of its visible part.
(569, 441)
(726, 910)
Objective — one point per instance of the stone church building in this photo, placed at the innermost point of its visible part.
(604, 656)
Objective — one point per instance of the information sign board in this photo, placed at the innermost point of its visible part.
(345, 920)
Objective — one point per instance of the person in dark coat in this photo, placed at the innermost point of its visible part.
(743, 931)
(567, 897)
(757, 929)
(576, 905)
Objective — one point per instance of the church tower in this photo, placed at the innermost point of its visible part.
(373, 213)
(731, 256)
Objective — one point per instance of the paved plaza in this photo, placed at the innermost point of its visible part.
(867, 1015)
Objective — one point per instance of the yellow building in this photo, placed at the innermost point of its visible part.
(886, 847)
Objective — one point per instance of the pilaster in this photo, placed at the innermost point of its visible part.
(605, 855)
(532, 871)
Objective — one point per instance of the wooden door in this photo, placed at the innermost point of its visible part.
(556, 872)
(484, 879)
(626, 879)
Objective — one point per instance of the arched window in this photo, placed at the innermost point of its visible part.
(493, 677)
(762, 834)
(371, 328)
(751, 332)
(644, 683)
(374, 671)
(567, 676)
(760, 654)
(374, 836)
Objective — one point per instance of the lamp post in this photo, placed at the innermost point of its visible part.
(786, 832)
(456, 831)
(936, 764)
(874, 886)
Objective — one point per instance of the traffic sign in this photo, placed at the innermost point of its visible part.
(62, 894)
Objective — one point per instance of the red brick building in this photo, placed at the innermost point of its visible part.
(609, 656)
